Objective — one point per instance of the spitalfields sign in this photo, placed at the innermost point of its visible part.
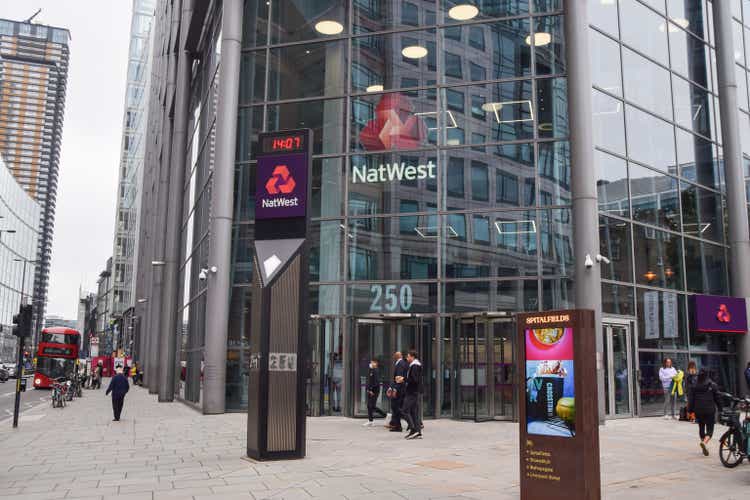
(390, 172)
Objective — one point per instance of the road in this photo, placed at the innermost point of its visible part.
(29, 399)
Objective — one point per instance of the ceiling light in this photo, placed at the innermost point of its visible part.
(463, 12)
(414, 52)
(329, 27)
(681, 22)
(374, 88)
(540, 39)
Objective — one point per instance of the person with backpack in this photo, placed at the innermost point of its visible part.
(703, 400)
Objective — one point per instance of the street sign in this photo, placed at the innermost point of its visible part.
(558, 417)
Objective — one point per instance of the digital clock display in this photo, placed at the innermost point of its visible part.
(272, 144)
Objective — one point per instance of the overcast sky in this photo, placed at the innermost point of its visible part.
(84, 222)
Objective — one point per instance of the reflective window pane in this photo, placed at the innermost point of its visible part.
(377, 298)
(309, 70)
(612, 184)
(698, 160)
(658, 258)
(603, 15)
(705, 266)
(661, 321)
(615, 244)
(382, 15)
(325, 117)
(650, 140)
(608, 122)
(485, 9)
(647, 84)
(701, 213)
(617, 299)
(654, 198)
(556, 242)
(552, 105)
(296, 21)
(605, 62)
(252, 77)
(644, 30)
(554, 173)
(549, 43)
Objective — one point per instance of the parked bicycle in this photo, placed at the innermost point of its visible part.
(734, 445)
(59, 390)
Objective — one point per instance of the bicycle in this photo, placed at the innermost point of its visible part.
(734, 444)
(59, 388)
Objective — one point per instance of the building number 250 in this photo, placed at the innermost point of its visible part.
(391, 298)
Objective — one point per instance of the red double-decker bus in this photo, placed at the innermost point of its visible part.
(56, 355)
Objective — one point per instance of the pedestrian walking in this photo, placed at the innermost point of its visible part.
(98, 372)
(134, 372)
(691, 379)
(667, 373)
(747, 377)
(373, 392)
(703, 400)
(413, 390)
(396, 390)
(118, 386)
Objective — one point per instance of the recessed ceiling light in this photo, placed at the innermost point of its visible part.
(540, 39)
(374, 88)
(491, 107)
(329, 27)
(414, 52)
(463, 12)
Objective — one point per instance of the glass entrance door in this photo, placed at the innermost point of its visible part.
(484, 361)
(379, 338)
(618, 369)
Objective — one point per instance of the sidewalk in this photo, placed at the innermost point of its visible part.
(171, 451)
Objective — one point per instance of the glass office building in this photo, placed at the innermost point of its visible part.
(443, 184)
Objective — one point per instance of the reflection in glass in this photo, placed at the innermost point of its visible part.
(297, 21)
(650, 140)
(558, 294)
(554, 173)
(654, 198)
(608, 122)
(698, 160)
(552, 105)
(605, 62)
(612, 184)
(618, 299)
(550, 57)
(309, 70)
(701, 213)
(644, 30)
(486, 8)
(324, 117)
(556, 240)
(615, 245)
(499, 244)
(658, 258)
(705, 266)
(647, 84)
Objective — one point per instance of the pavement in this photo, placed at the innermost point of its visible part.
(168, 450)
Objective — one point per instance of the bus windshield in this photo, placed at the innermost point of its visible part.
(59, 338)
(55, 367)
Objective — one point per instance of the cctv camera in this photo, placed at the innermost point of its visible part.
(602, 258)
(202, 275)
(588, 262)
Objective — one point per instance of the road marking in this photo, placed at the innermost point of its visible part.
(7, 394)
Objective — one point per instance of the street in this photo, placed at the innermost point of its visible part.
(167, 450)
(29, 399)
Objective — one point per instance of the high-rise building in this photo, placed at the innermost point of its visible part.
(471, 160)
(33, 80)
(19, 215)
(130, 170)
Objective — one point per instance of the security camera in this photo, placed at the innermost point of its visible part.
(602, 258)
(203, 275)
(588, 262)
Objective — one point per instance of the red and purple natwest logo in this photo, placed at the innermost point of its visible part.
(281, 181)
(395, 125)
(723, 314)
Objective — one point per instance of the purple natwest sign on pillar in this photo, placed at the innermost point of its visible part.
(720, 314)
(281, 186)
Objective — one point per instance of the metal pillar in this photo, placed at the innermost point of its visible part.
(171, 291)
(739, 235)
(588, 290)
(222, 199)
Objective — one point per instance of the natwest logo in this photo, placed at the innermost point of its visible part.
(723, 314)
(395, 125)
(281, 181)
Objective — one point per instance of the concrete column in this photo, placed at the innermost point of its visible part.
(583, 175)
(222, 200)
(173, 253)
(739, 235)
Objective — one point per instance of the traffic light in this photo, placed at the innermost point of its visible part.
(22, 321)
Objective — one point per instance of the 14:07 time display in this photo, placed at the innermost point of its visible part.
(287, 143)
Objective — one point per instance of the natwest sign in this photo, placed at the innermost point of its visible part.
(281, 187)
(389, 172)
(714, 313)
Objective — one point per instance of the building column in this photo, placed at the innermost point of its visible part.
(173, 253)
(739, 235)
(583, 175)
(222, 200)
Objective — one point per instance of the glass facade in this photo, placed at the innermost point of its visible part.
(19, 216)
(441, 174)
(441, 190)
(661, 189)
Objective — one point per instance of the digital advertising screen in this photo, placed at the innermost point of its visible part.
(550, 382)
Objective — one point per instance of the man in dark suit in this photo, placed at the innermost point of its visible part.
(118, 386)
(400, 370)
(413, 392)
(373, 392)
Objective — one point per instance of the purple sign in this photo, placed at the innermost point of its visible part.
(720, 314)
(281, 186)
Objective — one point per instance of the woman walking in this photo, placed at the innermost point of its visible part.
(667, 373)
(703, 400)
